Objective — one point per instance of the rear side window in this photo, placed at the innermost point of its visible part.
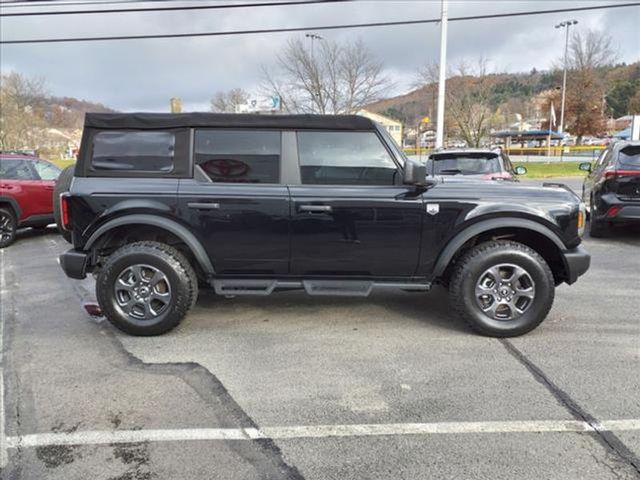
(133, 151)
(239, 156)
(629, 157)
(463, 163)
(14, 169)
(344, 158)
(46, 170)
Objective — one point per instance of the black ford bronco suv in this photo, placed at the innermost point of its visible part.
(160, 205)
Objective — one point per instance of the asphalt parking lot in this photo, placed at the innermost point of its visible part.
(291, 387)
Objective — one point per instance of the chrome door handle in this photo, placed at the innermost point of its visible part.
(315, 208)
(203, 205)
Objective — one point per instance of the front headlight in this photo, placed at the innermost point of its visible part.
(582, 218)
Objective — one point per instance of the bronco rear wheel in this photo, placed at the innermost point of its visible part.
(146, 288)
(502, 288)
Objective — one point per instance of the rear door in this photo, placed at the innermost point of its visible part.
(351, 216)
(595, 177)
(47, 175)
(236, 201)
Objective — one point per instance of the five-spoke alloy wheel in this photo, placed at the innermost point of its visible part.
(501, 288)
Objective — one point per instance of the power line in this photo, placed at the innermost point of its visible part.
(58, 3)
(311, 28)
(170, 9)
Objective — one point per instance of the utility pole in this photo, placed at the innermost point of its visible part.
(566, 24)
(443, 73)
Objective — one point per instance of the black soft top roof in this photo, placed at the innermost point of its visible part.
(230, 120)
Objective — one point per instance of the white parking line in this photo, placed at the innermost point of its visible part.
(3, 293)
(315, 431)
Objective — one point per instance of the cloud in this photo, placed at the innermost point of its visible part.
(143, 75)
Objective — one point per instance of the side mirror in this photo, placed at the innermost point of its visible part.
(414, 173)
(520, 170)
(585, 167)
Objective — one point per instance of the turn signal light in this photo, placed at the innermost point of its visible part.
(65, 209)
(582, 216)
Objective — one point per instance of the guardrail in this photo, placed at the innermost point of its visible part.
(533, 154)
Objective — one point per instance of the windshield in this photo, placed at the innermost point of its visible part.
(397, 151)
(465, 163)
(630, 157)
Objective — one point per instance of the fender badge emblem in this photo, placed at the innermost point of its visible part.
(433, 208)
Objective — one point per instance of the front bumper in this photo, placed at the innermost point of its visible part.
(74, 264)
(577, 261)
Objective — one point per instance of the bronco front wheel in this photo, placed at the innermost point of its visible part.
(146, 288)
(502, 288)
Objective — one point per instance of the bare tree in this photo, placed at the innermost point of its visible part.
(592, 49)
(333, 79)
(226, 102)
(468, 109)
(22, 100)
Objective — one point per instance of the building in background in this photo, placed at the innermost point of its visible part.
(260, 104)
(176, 105)
(393, 126)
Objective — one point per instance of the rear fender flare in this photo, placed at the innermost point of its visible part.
(483, 226)
(175, 228)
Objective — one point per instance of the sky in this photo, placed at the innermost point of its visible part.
(143, 75)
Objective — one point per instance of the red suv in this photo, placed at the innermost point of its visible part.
(26, 194)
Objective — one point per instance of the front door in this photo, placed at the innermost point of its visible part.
(351, 216)
(235, 201)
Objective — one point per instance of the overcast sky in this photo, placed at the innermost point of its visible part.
(143, 75)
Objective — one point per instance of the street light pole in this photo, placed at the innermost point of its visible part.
(566, 24)
(313, 37)
(442, 78)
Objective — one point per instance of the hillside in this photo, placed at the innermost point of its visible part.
(68, 112)
(511, 93)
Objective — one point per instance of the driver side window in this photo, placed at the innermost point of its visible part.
(344, 158)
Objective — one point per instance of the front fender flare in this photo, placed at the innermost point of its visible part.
(175, 228)
(468, 233)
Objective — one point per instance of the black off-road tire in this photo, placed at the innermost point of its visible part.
(62, 186)
(471, 266)
(178, 271)
(8, 227)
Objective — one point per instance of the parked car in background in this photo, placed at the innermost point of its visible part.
(485, 164)
(26, 194)
(611, 190)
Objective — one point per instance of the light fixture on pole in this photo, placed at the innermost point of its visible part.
(443, 74)
(313, 37)
(566, 24)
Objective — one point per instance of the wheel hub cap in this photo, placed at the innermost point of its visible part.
(142, 292)
(505, 292)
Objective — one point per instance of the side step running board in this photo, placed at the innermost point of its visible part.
(244, 287)
(344, 288)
